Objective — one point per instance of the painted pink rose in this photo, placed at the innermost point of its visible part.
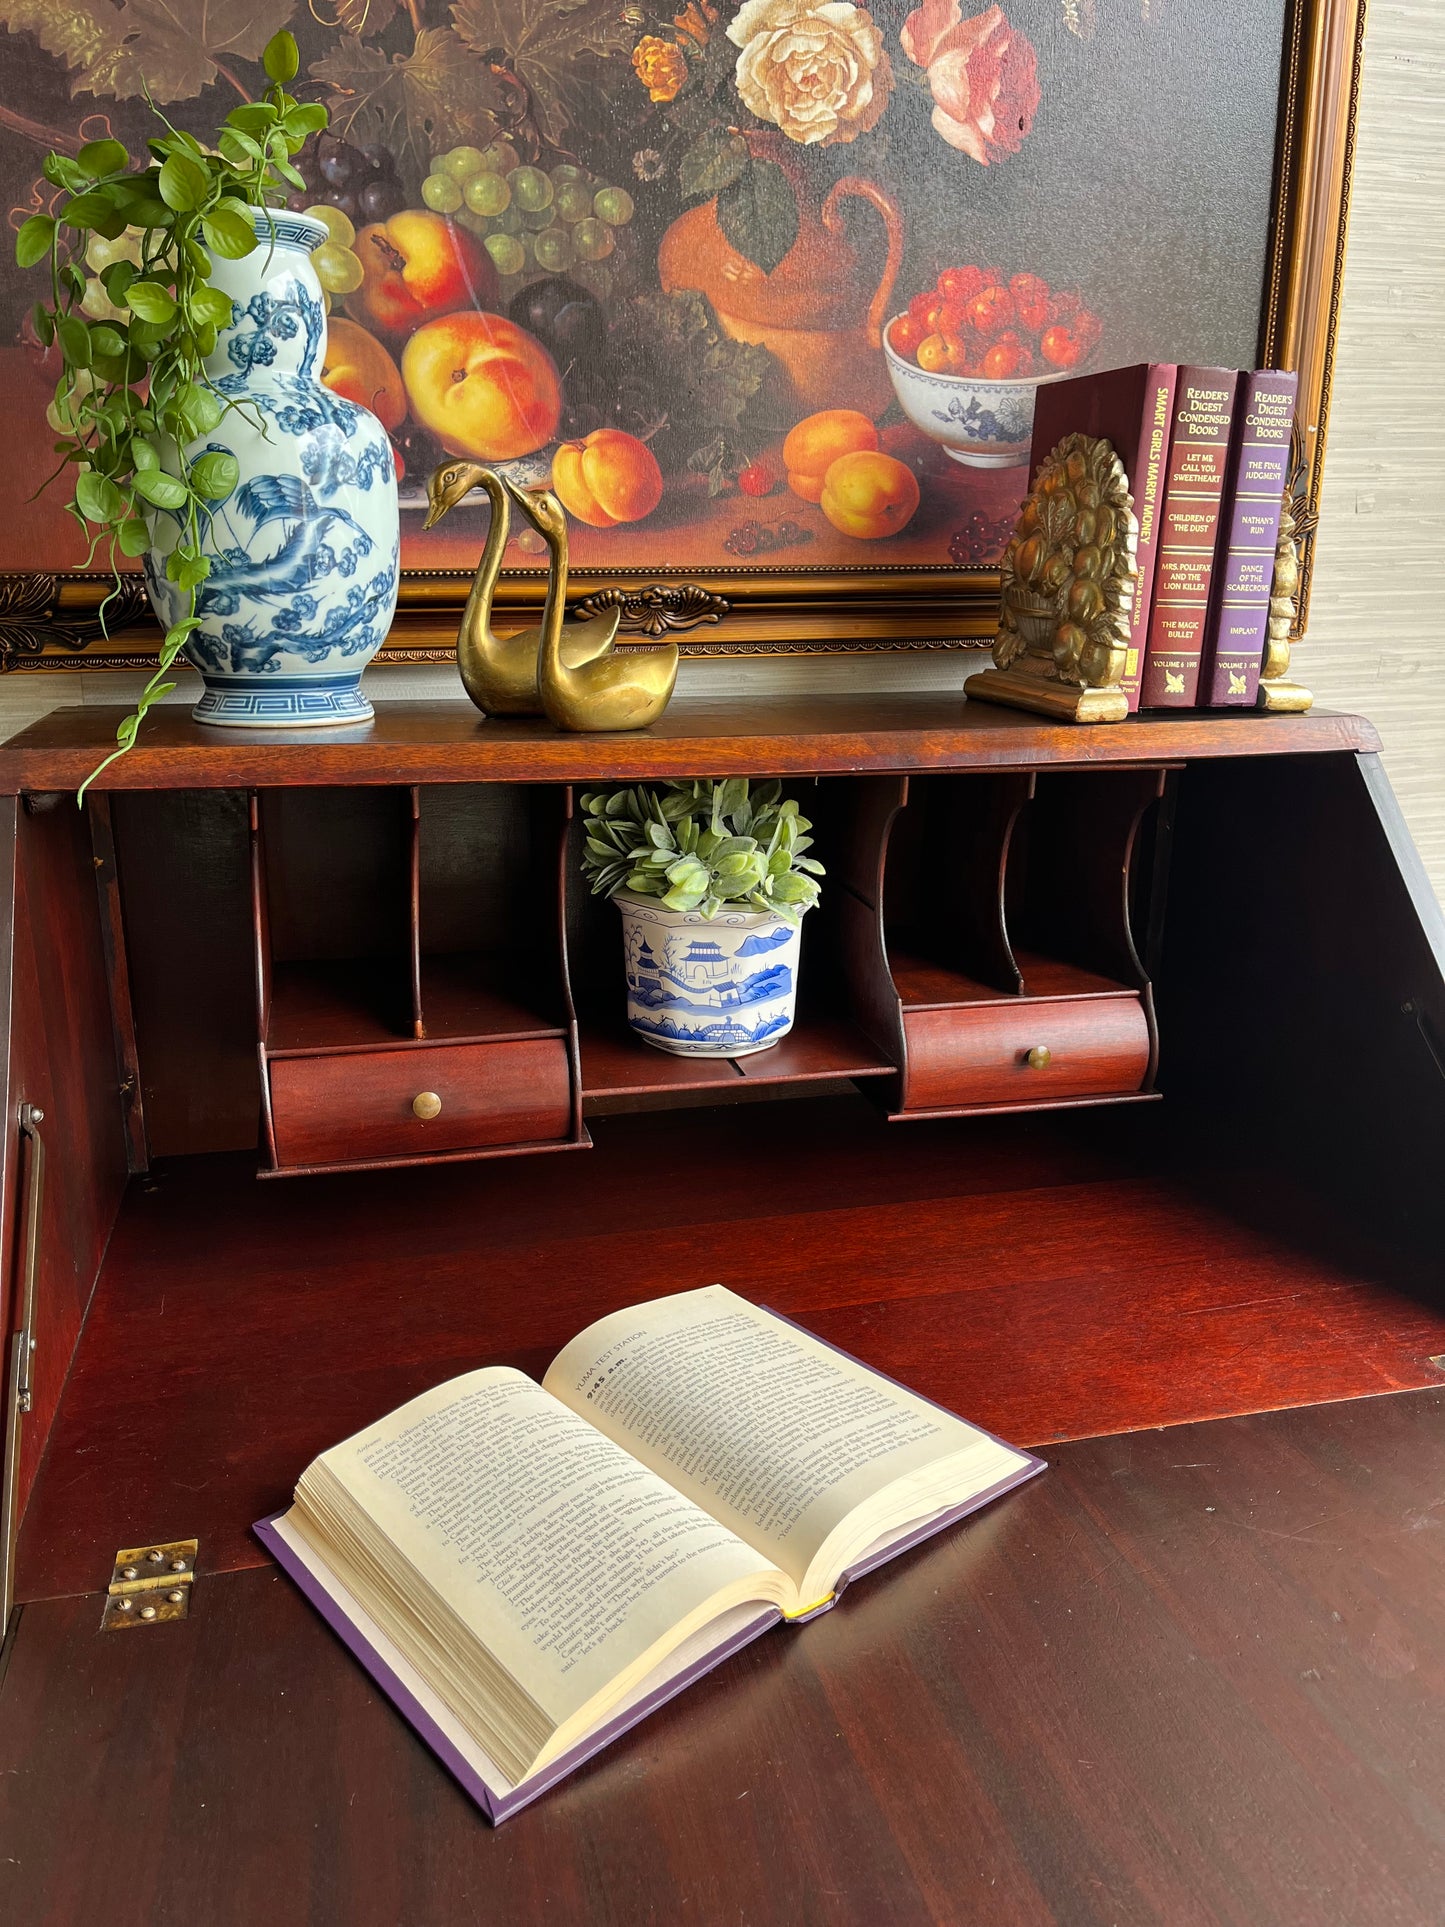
(982, 73)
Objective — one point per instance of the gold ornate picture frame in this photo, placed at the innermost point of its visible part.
(852, 598)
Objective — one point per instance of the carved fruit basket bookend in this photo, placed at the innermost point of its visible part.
(1069, 575)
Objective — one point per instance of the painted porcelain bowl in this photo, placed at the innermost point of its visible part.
(984, 424)
(708, 987)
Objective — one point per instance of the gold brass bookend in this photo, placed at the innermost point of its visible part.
(1276, 691)
(499, 673)
(620, 690)
(1069, 575)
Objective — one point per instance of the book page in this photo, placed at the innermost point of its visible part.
(773, 1432)
(562, 1554)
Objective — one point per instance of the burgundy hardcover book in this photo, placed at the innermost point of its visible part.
(529, 1570)
(1188, 536)
(1239, 607)
(1131, 408)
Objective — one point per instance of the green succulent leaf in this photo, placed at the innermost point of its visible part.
(700, 844)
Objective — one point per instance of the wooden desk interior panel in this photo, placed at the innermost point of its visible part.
(815, 735)
(1186, 1677)
(1048, 1277)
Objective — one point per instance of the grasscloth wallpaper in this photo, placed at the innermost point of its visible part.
(1377, 640)
(1377, 617)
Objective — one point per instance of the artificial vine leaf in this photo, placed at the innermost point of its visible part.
(553, 49)
(97, 499)
(32, 243)
(150, 301)
(215, 474)
(758, 214)
(102, 157)
(211, 305)
(281, 57)
(161, 490)
(183, 184)
(169, 49)
(228, 233)
(435, 97)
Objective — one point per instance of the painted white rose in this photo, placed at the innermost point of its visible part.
(818, 71)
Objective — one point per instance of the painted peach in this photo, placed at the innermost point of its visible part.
(610, 477)
(869, 494)
(417, 265)
(817, 442)
(483, 386)
(358, 367)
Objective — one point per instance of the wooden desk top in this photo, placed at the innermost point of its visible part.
(1188, 1676)
(449, 742)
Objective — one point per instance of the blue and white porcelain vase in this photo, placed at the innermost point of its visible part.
(723, 986)
(305, 551)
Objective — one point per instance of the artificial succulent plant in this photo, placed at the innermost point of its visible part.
(702, 845)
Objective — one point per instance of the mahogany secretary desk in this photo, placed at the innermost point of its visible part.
(317, 1091)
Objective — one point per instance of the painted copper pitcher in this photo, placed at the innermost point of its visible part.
(811, 311)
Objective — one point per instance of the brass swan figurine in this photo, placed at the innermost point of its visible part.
(625, 689)
(499, 673)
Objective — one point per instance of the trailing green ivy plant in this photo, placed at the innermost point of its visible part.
(702, 845)
(133, 391)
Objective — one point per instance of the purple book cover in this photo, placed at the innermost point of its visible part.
(1203, 416)
(1130, 407)
(499, 1802)
(1259, 466)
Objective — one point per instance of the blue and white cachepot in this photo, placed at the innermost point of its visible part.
(708, 987)
(305, 552)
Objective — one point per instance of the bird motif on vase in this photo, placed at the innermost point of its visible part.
(310, 534)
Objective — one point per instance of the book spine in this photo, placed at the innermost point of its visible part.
(1188, 535)
(1146, 483)
(1239, 609)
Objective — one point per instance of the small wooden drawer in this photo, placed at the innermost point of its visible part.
(357, 1106)
(979, 1054)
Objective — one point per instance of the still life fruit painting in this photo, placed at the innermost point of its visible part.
(757, 286)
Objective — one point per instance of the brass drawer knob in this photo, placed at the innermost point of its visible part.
(1039, 1058)
(427, 1104)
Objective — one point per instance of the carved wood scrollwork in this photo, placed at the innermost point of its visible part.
(33, 618)
(656, 610)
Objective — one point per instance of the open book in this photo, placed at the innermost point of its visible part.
(528, 1570)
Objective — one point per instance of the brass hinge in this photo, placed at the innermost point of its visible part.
(150, 1585)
